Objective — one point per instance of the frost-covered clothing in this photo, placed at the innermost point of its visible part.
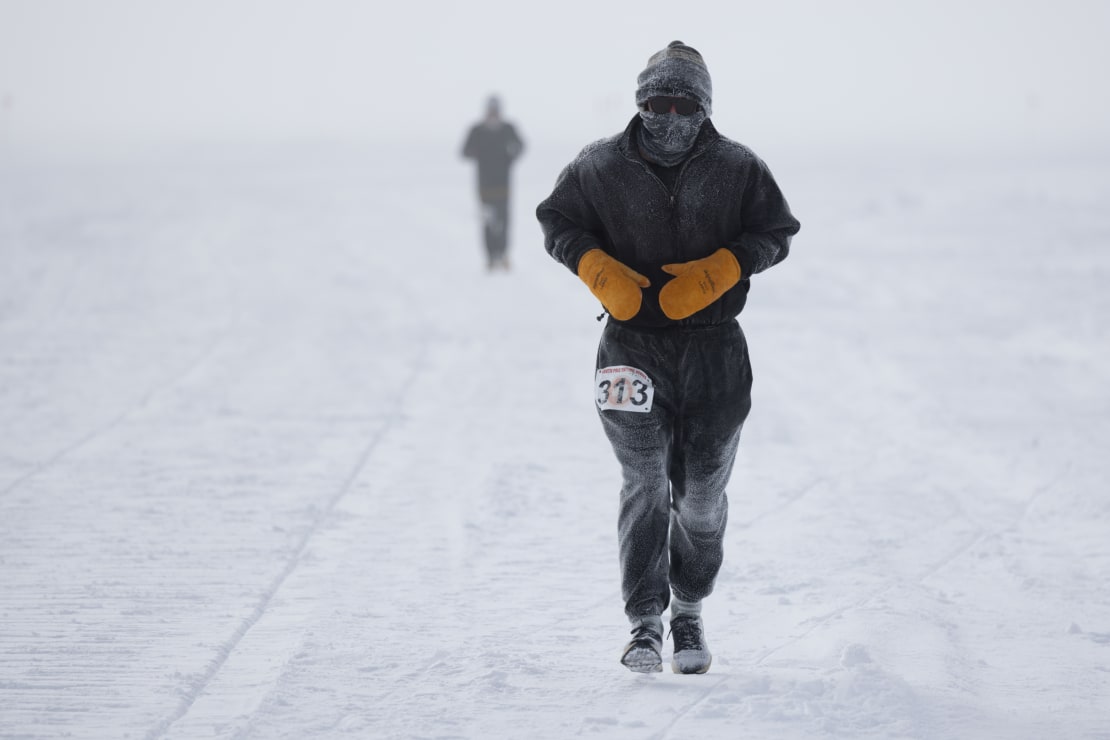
(494, 145)
(677, 71)
(665, 139)
(676, 459)
(723, 196)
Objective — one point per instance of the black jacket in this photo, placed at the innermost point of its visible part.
(724, 196)
(495, 148)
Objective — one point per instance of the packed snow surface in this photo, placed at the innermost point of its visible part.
(279, 459)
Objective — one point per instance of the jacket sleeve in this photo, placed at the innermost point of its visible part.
(570, 224)
(768, 224)
(469, 150)
(515, 145)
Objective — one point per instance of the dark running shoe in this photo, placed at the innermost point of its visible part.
(691, 655)
(644, 654)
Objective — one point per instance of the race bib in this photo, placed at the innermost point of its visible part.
(623, 388)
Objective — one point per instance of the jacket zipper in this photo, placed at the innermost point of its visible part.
(677, 184)
(677, 187)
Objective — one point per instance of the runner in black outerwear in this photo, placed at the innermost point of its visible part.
(666, 223)
(494, 144)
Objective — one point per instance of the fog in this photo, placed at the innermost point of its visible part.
(801, 74)
(281, 458)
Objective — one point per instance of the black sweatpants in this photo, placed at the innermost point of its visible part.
(677, 457)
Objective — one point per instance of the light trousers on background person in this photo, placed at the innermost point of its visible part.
(495, 228)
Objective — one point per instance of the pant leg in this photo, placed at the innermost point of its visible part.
(495, 218)
(503, 219)
(716, 381)
(488, 234)
(642, 443)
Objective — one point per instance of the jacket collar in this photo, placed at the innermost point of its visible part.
(707, 137)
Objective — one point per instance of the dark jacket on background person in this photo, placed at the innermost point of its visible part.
(494, 147)
(722, 195)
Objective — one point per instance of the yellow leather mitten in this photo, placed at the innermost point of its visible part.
(616, 285)
(698, 283)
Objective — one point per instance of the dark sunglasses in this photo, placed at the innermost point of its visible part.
(664, 103)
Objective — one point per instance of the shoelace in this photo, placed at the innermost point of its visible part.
(687, 634)
(643, 632)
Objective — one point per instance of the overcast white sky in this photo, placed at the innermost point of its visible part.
(798, 71)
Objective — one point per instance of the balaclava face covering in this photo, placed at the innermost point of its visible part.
(679, 71)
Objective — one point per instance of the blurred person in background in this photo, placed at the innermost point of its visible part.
(494, 144)
(666, 223)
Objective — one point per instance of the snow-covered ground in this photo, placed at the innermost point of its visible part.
(278, 459)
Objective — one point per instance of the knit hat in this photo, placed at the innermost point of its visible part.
(677, 70)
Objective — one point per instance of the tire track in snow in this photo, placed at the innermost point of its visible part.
(872, 595)
(799, 493)
(226, 650)
(114, 422)
(984, 534)
(955, 554)
(402, 684)
(665, 733)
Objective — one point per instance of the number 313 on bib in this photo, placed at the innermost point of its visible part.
(623, 388)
